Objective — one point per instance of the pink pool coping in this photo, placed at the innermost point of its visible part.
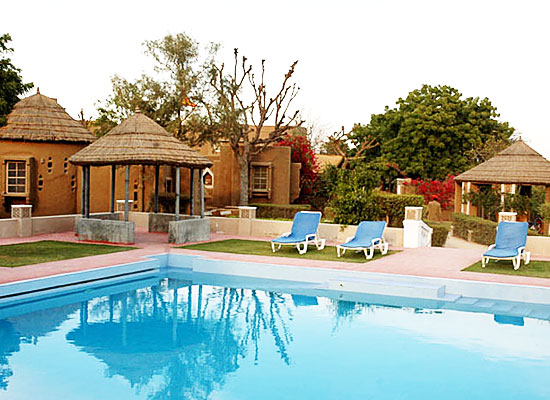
(433, 262)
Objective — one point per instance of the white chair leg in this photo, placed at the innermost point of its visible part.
(273, 247)
(385, 247)
(338, 249)
(527, 257)
(320, 243)
(304, 250)
(516, 261)
(483, 262)
(371, 252)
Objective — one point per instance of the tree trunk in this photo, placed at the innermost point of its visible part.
(243, 159)
(243, 195)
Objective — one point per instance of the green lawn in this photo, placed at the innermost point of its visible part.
(262, 248)
(16, 255)
(538, 269)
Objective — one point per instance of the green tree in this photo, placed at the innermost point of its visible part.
(174, 97)
(11, 82)
(351, 198)
(435, 132)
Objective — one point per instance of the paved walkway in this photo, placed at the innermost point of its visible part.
(430, 262)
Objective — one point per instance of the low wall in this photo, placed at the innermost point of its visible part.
(271, 228)
(159, 222)
(53, 224)
(538, 245)
(8, 228)
(140, 219)
(105, 230)
(189, 230)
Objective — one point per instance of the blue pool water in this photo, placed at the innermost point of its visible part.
(190, 337)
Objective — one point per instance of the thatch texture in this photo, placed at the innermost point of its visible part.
(139, 140)
(39, 118)
(518, 164)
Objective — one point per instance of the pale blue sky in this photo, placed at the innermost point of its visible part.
(355, 56)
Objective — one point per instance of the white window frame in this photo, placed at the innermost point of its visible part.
(25, 177)
(254, 191)
(208, 171)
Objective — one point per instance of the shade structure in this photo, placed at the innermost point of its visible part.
(518, 164)
(139, 141)
(39, 118)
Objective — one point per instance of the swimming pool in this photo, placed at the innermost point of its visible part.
(195, 336)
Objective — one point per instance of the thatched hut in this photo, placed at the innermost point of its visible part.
(139, 141)
(518, 166)
(35, 146)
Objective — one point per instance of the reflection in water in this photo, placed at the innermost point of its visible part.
(178, 340)
(191, 336)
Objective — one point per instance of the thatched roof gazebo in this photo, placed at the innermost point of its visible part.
(517, 165)
(139, 141)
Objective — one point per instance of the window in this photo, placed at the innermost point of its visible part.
(261, 179)
(208, 178)
(16, 174)
(169, 186)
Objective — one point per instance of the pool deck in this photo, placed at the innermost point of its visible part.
(426, 262)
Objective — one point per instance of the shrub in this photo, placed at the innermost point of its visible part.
(483, 231)
(440, 233)
(287, 211)
(444, 190)
(544, 211)
(301, 151)
(393, 206)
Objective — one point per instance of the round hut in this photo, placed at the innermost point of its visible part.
(35, 147)
(140, 141)
(514, 170)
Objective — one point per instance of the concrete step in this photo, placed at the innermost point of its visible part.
(391, 288)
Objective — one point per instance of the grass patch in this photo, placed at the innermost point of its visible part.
(263, 248)
(535, 269)
(16, 255)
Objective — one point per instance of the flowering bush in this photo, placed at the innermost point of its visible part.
(302, 152)
(444, 190)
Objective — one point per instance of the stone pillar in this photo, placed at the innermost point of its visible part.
(416, 233)
(507, 216)
(247, 212)
(23, 214)
(178, 184)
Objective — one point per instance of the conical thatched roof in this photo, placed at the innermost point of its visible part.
(139, 140)
(518, 163)
(39, 118)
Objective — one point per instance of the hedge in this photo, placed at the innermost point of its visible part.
(393, 206)
(440, 233)
(265, 210)
(483, 231)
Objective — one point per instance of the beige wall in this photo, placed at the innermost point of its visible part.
(284, 176)
(48, 164)
(271, 228)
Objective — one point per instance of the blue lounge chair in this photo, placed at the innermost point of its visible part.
(304, 231)
(509, 244)
(368, 236)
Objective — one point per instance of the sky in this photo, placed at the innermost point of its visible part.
(355, 57)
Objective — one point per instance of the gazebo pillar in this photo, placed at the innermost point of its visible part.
(126, 193)
(157, 178)
(83, 193)
(113, 181)
(87, 192)
(192, 192)
(201, 192)
(178, 193)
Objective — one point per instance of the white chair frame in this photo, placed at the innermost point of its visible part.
(313, 238)
(379, 243)
(516, 260)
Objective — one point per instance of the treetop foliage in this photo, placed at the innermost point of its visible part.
(11, 82)
(435, 132)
